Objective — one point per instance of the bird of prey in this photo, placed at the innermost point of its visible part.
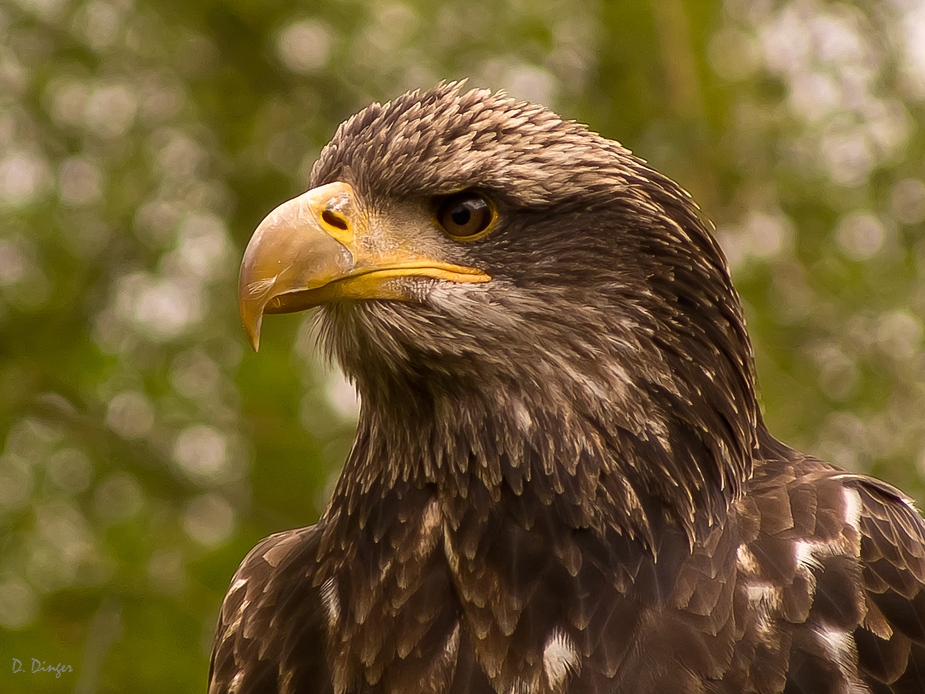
(561, 481)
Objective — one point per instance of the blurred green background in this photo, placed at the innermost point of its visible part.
(144, 449)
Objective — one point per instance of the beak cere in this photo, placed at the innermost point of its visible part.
(310, 251)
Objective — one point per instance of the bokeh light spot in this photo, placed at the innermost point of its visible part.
(110, 110)
(209, 520)
(304, 46)
(71, 470)
(118, 498)
(899, 334)
(19, 606)
(342, 395)
(130, 414)
(907, 200)
(14, 265)
(201, 452)
(24, 177)
(166, 572)
(195, 375)
(860, 235)
(80, 181)
(15, 486)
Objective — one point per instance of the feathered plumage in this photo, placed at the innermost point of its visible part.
(560, 481)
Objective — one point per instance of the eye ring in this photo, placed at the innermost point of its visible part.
(465, 216)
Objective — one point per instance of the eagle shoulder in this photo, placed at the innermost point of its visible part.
(831, 582)
(270, 635)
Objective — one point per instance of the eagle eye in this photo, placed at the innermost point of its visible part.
(464, 215)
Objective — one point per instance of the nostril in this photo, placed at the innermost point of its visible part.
(333, 219)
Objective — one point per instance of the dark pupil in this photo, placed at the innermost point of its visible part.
(461, 215)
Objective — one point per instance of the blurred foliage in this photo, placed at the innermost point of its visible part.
(144, 450)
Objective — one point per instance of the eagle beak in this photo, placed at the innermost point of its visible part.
(320, 247)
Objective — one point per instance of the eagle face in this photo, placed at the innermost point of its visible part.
(560, 480)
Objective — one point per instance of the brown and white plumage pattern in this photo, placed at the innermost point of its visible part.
(561, 483)
(815, 585)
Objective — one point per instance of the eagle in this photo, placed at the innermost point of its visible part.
(561, 481)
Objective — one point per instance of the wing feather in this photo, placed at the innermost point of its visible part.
(891, 641)
(254, 652)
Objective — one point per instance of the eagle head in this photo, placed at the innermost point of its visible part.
(488, 273)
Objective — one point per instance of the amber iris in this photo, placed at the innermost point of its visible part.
(465, 215)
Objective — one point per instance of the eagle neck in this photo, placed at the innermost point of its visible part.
(507, 446)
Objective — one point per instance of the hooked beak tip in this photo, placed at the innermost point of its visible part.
(253, 337)
(252, 320)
